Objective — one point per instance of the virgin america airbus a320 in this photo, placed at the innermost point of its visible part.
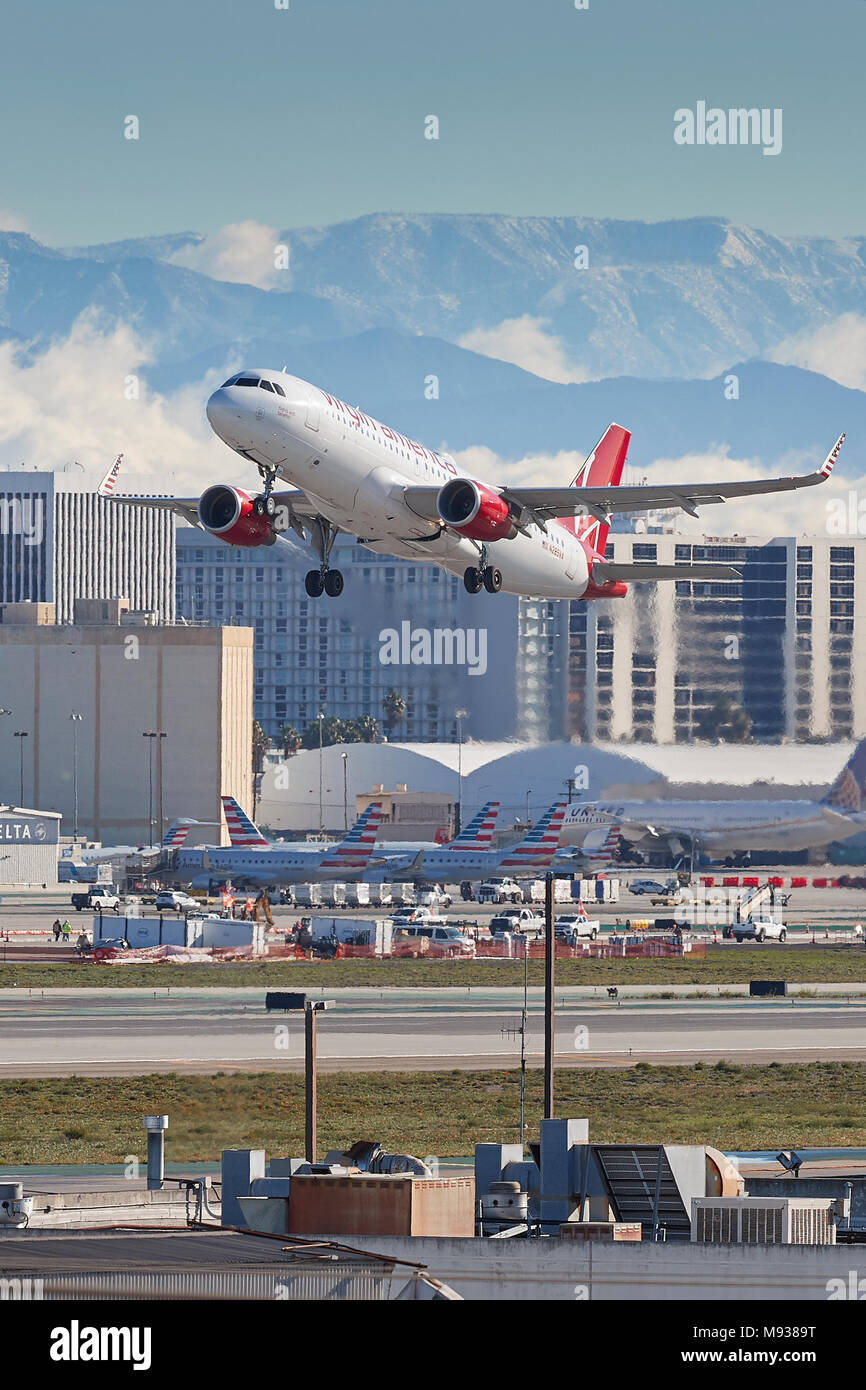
(347, 472)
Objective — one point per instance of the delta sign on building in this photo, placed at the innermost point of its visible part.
(28, 847)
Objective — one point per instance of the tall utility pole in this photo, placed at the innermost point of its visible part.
(159, 740)
(459, 715)
(345, 758)
(76, 720)
(21, 734)
(321, 718)
(549, 1000)
(156, 736)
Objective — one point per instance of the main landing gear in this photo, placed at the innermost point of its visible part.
(488, 578)
(324, 580)
(482, 576)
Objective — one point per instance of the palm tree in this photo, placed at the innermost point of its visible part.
(290, 740)
(261, 744)
(368, 728)
(395, 709)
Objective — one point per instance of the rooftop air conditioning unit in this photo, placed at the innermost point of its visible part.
(766, 1220)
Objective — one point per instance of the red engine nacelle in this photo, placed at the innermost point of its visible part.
(228, 514)
(475, 511)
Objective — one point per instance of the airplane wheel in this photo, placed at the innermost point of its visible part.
(472, 580)
(270, 506)
(492, 580)
(258, 506)
(333, 583)
(314, 583)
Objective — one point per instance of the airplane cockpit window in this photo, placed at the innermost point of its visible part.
(278, 388)
(265, 385)
(231, 381)
(247, 381)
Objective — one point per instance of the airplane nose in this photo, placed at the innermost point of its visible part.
(219, 412)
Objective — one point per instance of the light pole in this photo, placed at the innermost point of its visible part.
(21, 734)
(156, 736)
(311, 1009)
(459, 715)
(160, 737)
(528, 795)
(76, 720)
(345, 758)
(321, 718)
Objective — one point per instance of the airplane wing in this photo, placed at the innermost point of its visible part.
(294, 500)
(542, 503)
(186, 507)
(566, 501)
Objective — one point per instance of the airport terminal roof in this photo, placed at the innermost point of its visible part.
(517, 773)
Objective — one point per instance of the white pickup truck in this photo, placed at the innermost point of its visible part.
(575, 926)
(98, 898)
(759, 929)
(517, 919)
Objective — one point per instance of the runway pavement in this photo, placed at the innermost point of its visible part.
(128, 1032)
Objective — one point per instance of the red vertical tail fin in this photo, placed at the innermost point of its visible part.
(603, 466)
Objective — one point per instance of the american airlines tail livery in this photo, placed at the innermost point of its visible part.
(259, 861)
(533, 855)
(733, 827)
(349, 473)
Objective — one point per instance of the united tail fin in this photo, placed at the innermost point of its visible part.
(478, 834)
(602, 467)
(848, 792)
(242, 831)
(355, 850)
(536, 851)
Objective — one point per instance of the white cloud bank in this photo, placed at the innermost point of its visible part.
(12, 222)
(837, 350)
(76, 403)
(243, 252)
(526, 343)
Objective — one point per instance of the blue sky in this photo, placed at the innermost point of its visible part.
(315, 114)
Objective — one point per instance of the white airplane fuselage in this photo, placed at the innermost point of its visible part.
(355, 470)
(281, 866)
(718, 827)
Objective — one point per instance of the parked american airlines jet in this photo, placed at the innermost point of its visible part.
(173, 839)
(532, 856)
(721, 828)
(477, 835)
(273, 864)
(350, 473)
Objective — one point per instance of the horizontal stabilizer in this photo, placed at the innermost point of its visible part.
(604, 572)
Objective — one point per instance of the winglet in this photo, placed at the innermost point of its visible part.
(827, 466)
(106, 487)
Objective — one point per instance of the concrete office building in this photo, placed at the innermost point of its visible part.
(125, 678)
(784, 642)
(60, 542)
(342, 656)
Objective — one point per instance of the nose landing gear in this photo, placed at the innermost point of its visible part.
(265, 505)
